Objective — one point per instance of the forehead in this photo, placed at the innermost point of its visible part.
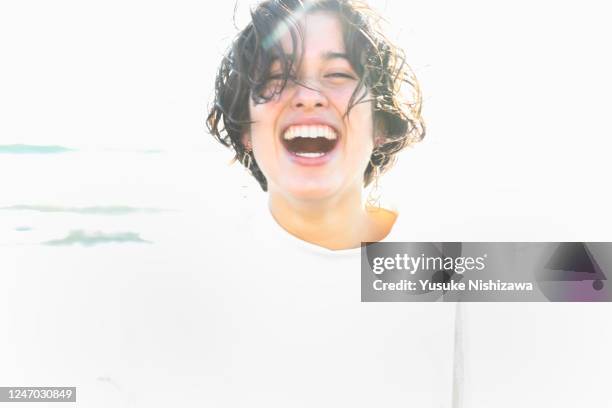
(321, 32)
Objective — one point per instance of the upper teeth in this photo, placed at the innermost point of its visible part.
(310, 131)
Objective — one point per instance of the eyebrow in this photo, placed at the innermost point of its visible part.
(333, 55)
(329, 55)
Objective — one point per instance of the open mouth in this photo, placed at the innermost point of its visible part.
(310, 141)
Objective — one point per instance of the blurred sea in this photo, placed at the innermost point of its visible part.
(58, 197)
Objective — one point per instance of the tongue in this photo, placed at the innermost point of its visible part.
(309, 145)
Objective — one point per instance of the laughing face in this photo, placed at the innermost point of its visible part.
(304, 144)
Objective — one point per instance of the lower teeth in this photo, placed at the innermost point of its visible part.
(310, 155)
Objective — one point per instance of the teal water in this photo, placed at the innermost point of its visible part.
(88, 239)
(33, 149)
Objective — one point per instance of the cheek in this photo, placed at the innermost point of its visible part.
(340, 97)
(360, 114)
(265, 115)
(257, 114)
(263, 118)
(360, 125)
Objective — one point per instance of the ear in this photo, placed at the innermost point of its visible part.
(380, 137)
(379, 134)
(246, 141)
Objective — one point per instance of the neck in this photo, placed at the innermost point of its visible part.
(337, 223)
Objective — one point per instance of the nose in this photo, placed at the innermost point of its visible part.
(308, 97)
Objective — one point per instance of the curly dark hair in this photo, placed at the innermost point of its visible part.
(380, 66)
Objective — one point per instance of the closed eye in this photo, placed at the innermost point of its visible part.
(339, 75)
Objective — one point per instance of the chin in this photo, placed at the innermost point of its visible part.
(311, 191)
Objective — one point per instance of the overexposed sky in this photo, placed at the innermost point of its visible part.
(138, 74)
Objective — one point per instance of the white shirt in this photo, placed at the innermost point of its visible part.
(304, 338)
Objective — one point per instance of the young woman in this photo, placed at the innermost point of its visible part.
(309, 97)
